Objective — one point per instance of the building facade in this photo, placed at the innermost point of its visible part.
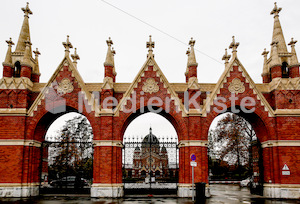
(28, 107)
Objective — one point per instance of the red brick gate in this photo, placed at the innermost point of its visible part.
(28, 107)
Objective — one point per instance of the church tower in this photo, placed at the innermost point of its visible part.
(20, 69)
(281, 63)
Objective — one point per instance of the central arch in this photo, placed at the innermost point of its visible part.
(150, 155)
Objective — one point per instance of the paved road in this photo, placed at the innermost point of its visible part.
(221, 194)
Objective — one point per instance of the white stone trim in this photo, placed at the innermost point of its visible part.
(106, 112)
(16, 83)
(287, 112)
(107, 143)
(281, 143)
(13, 111)
(107, 190)
(30, 143)
(192, 143)
(287, 191)
(195, 112)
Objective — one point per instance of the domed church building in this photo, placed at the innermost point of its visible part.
(151, 159)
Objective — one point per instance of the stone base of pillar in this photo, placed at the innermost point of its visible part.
(18, 190)
(288, 191)
(185, 190)
(107, 191)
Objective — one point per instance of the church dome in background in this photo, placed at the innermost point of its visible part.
(150, 139)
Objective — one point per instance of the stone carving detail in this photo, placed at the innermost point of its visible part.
(236, 86)
(150, 86)
(65, 86)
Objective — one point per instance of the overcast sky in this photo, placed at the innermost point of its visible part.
(171, 23)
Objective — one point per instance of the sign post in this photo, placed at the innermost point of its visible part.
(193, 164)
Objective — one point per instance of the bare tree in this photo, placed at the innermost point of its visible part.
(231, 141)
(71, 153)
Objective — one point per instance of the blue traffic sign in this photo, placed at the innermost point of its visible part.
(193, 157)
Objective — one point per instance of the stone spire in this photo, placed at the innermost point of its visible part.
(8, 59)
(36, 69)
(67, 46)
(226, 57)
(234, 45)
(27, 55)
(150, 45)
(109, 61)
(24, 34)
(75, 57)
(191, 55)
(265, 68)
(277, 32)
(293, 60)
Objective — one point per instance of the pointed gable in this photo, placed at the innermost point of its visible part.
(150, 81)
(236, 79)
(62, 77)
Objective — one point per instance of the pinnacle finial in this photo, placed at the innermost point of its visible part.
(234, 45)
(274, 44)
(265, 53)
(275, 10)
(188, 51)
(274, 54)
(67, 46)
(150, 45)
(113, 51)
(191, 54)
(109, 61)
(192, 42)
(294, 59)
(226, 57)
(8, 59)
(36, 68)
(109, 42)
(75, 56)
(37, 52)
(10, 42)
(27, 42)
(27, 10)
(27, 55)
(293, 42)
(265, 67)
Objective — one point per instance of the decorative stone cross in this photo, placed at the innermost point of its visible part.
(67, 46)
(226, 57)
(275, 10)
(265, 53)
(27, 10)
(37, 53)
(75, 56)
(192, 42)
(293, 42)
(10, 42)
(150, 45)
(109, 42)
(234, 45)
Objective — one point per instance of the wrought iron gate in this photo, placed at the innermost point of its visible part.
(150, 165)
(66, 166)
(257, 179)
